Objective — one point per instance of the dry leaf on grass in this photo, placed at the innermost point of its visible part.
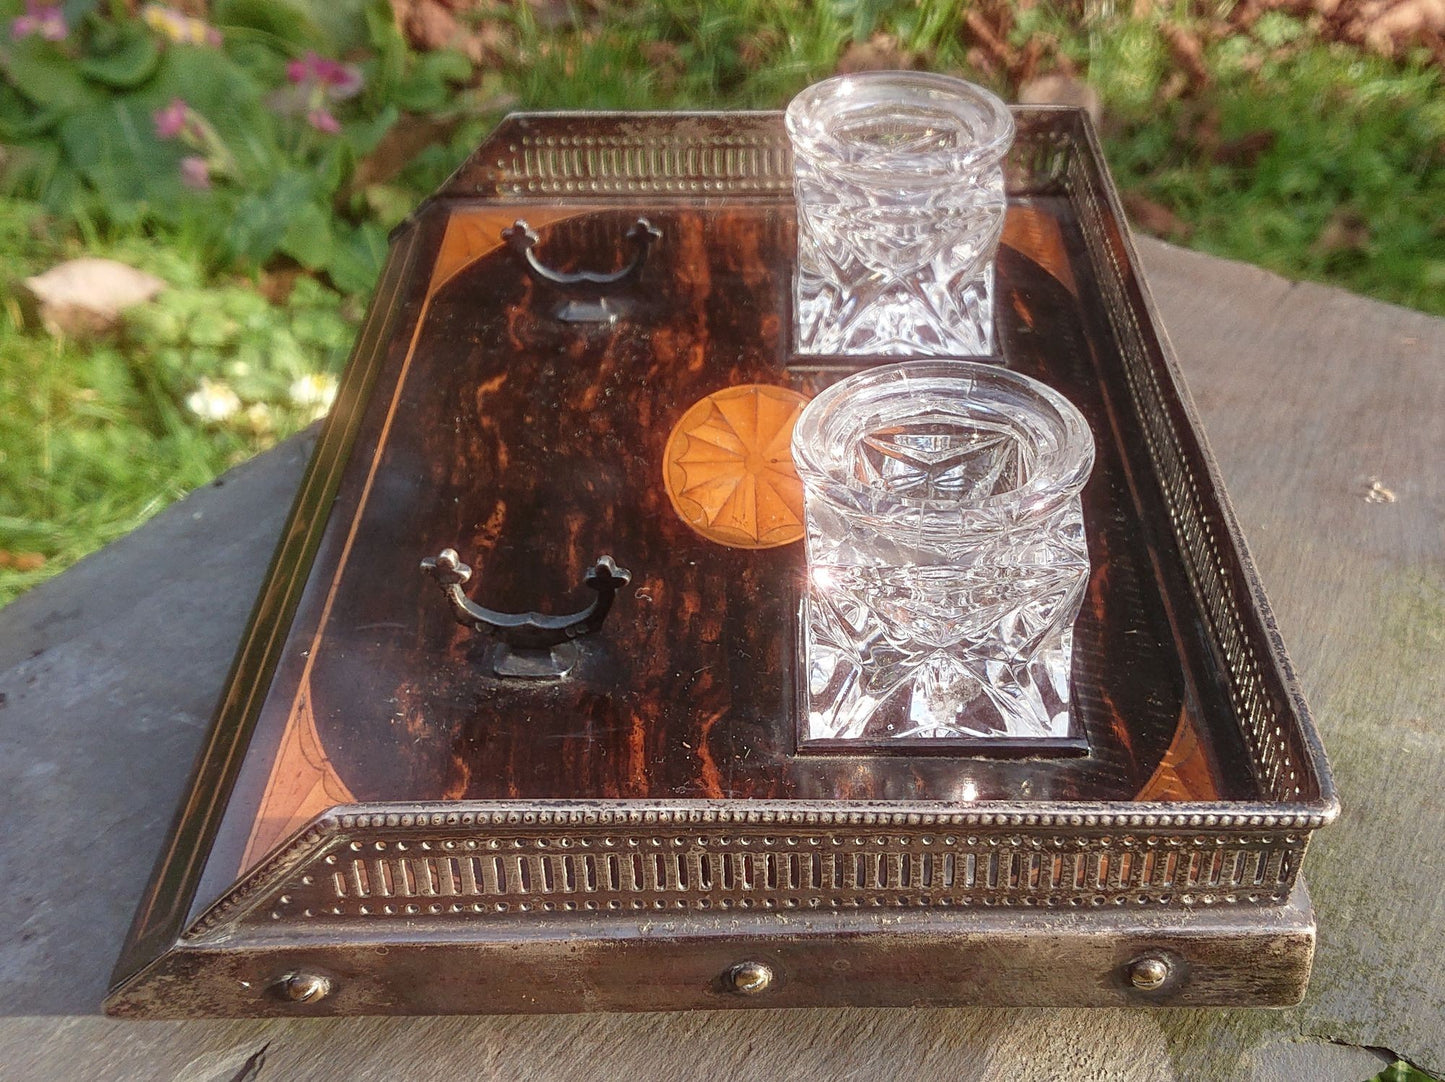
(759, 47)
(402, 142)
(665, 60)
(430, 25)
(490, 44)
(1245, 151)
(881, 52)
(1187, 51)
(1060, 89)
(551, 14)
(1390, 28)
(1154, 218)
(276, 285)
(1346, 231)
(989, 43)
(21, 561)
(87, 296)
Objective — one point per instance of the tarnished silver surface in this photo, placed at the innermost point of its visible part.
(750, 978)
(304, 987)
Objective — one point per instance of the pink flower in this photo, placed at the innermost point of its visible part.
(196, 173)
(172, 120)
(43, 19)
(323, 121)
(339, 81)
(299, 71)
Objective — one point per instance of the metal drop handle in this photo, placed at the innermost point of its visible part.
(532, 643)
(586, 293)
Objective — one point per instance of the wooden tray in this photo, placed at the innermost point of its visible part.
(379, 823)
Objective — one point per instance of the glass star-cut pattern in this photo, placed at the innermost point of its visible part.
(728, 467)
(927, 131)
(973, 649)
(908, 277)
(940, 457)
(969, 636)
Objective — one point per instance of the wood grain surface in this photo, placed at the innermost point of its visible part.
(1325, 413)
(534, 446)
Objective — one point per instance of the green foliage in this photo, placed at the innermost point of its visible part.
(742, 54)
(123, 56)
(80, 121)
(97, 436)
(231, 341)
(279, 22)
(1346, 183)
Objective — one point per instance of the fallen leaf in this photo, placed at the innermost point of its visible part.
(489, 44)
(1174, 86)
(666, 61)
(1346, 231)
(87, 296)
(402, 142)
(1391, 29)
(551, 14)
(1245, 151)
(978, 60)
(276, 285)
(759, 47)
(1060, 89)
(430, 25)
(1200, 125)
(660, 53)
(989, 40)
(881, 52)
(1188, 52)
(1154, 218)
(21, 561)
(1028, 63)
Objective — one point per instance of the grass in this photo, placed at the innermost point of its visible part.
(97, 436)
(1344, 185)
(1277, 147)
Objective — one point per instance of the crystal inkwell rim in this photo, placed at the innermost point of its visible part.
(817, 122)
(842, 414)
